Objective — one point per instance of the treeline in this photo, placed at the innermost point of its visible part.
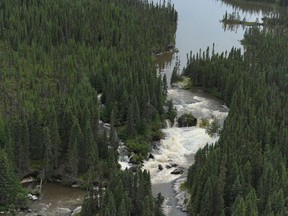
(124, 199)
(245, 173)
(261, 3)
(58, 58)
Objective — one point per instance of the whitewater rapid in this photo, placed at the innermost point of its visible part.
(180, 144)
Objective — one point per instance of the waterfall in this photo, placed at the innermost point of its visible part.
(168, 123)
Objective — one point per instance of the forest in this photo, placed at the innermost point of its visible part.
(262, 3)
(67, 65)
(245, 172)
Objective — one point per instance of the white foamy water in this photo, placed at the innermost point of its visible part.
(123, 158)
(179, 146)
(180, 143)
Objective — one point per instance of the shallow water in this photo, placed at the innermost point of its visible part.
(55, 197)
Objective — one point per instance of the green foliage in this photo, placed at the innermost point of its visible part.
(158, 205)
(133, 197)
(175, 77)
(187, 120)
(171, 111)
(2, 133)
(11, 192)
(204, 123)
(246, 169)
(214, 127)
(57, 59)
(138, 145)
(48, 160)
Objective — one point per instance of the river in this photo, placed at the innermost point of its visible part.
(56, 200)
(180, 144)
(198, 27)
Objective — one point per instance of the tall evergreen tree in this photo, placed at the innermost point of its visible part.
(48, 156)
(11, 191)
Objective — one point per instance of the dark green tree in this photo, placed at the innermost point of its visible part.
(11, 192)
(48, 156)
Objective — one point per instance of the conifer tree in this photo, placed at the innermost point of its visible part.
(239, 207)
(251, 203)
(75, 140)
(91, 156)
(48, 156)
(55, 139)
(36, 146)
(3, 138)
(122, 209)
(11, 191)
(130, 121)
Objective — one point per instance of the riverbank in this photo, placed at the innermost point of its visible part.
(180, 144)
(251, 5)
(55, 200)
(241, 22)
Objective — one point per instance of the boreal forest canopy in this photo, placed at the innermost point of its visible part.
(67, 65)
(245, 173)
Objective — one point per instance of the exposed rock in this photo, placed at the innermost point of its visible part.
(75, 186)
(133, 168)
(168, 166)
(155, 145)
(178, 171)
(184, 209)
(57, 180)
(170, 47)
(44, 208)
(187, 120)
(132, 160)
(32, 197)
(173, 164)
(160, 167)
(151, 156)
(27, 180)
(158, 53)
(64, 211)
(76, 210)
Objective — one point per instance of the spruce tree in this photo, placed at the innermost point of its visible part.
(91, 154)
(130, 130)
(55, 139)
(11, 191)
(48, 156)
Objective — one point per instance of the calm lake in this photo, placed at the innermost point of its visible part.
(199, 26)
